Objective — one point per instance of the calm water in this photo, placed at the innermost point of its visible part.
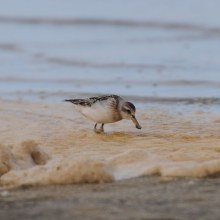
(148, 49)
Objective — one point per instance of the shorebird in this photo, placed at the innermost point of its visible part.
(105, 109)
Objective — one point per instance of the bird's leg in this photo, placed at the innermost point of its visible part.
(101, 129)
(96, 130)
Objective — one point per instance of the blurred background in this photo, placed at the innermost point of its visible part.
(161, 52)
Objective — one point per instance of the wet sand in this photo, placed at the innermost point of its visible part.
(52, 143)
(169, 145)
(148, 198)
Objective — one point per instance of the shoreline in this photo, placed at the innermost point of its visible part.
(47, 96)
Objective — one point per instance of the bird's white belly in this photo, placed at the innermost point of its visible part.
(98, 116)
(99, 113)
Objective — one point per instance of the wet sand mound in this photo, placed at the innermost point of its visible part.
(28, 164)
(170, 145)
(136, 163)
(23, 157)
(21, 168)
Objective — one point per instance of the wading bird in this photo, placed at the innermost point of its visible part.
(105, 109)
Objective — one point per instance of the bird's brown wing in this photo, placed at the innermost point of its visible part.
(82, 102)
(90, 101)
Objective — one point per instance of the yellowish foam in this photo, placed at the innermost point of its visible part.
(66, 150)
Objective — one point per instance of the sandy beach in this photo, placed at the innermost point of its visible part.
(62, 141)
(163, 56)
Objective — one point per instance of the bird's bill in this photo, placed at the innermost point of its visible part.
(135, 122)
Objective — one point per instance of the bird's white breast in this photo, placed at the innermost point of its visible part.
(99, 112)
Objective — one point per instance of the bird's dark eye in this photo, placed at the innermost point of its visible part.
(128, 111)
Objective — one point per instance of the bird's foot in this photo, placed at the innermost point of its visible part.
(97, 131)
(100, 130)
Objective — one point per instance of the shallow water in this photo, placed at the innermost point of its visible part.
(109, 50)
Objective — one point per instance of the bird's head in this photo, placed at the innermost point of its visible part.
(128, 112)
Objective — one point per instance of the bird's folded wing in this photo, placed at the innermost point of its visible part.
(82, 102)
